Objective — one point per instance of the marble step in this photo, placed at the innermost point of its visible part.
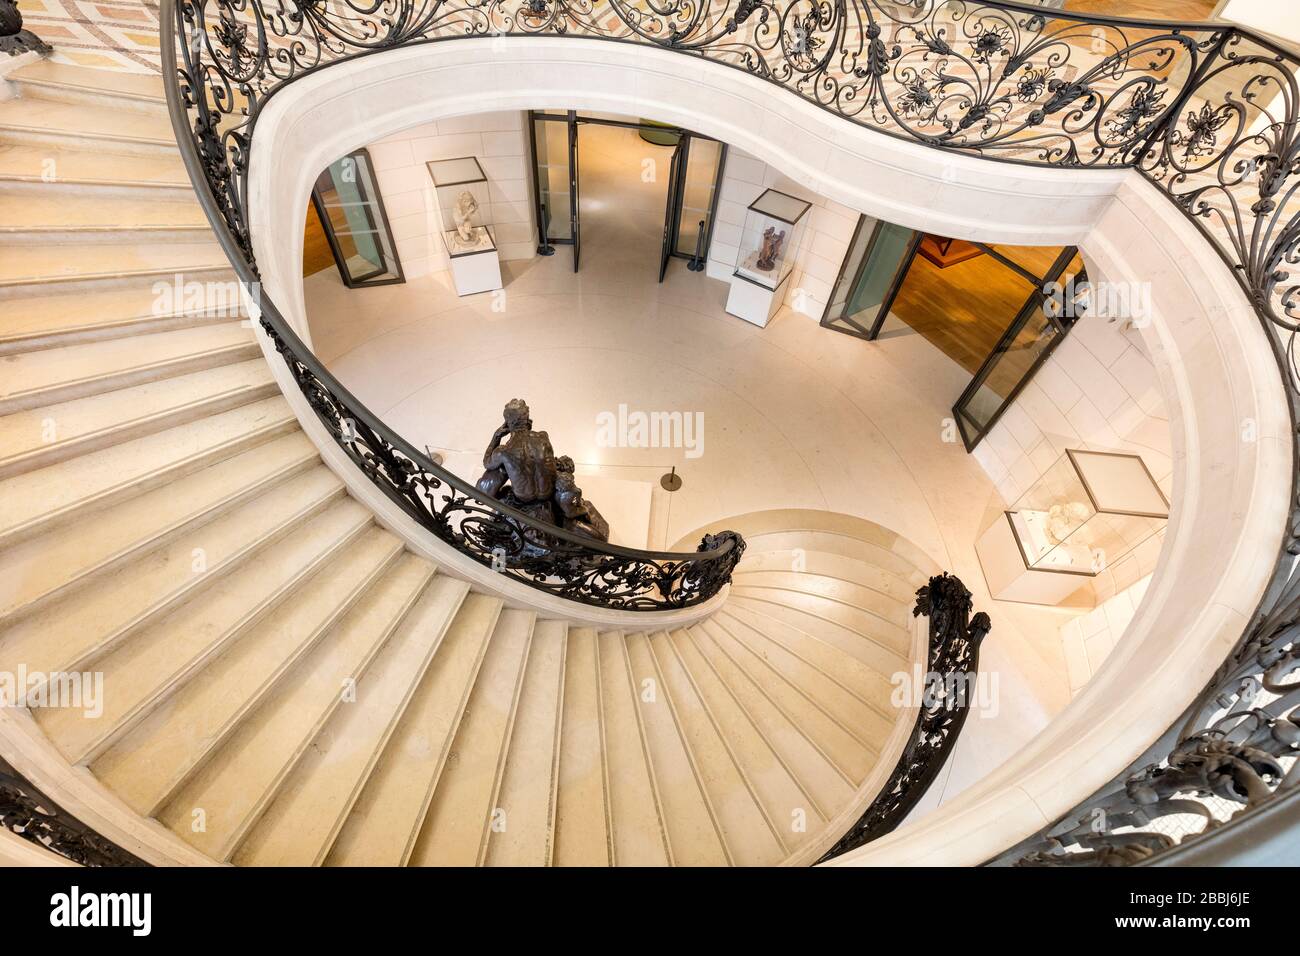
(638, 835)
(383, 827)
(72, 171)
(36, 380)
(464, 806)
(44, 568)
(529, 779)
(53, 433)
(70, 635)
(224, 798)
(140, 673)
(694, 830)
(94, 315)
(41, 500)
(582, 836)
(101, 89)
(31, 218)
(753, 837)
(155, 758)
(37, 122)
(76, 267)
(313, 805)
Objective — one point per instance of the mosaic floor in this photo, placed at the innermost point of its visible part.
(103, 34)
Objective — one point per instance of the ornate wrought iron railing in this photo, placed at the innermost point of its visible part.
(944, 695)
(27, 812)
(1208, 113)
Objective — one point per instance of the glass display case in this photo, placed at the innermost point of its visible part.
(1085, 513)
(774, 224)
(463, 205)
(464, 216)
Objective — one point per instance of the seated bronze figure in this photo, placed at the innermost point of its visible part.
(521, 470)
(519, 461)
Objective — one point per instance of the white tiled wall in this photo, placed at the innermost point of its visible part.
(1098, 391)
(825, 241)
(500, 143)
(1088, 639)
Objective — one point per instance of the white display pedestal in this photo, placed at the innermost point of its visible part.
(753, 302)
(1009, 579)
(477, 272)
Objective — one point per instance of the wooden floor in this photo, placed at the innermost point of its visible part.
(316, 254)
(1183, 11)
(964, 309)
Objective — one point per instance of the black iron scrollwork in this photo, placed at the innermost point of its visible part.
(500, 537)
(28, 813)
(14, 39)
(944, 694)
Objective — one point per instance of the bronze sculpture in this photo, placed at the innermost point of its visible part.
(771, 248)
(519, 462)
(579, 514)
(521, 470)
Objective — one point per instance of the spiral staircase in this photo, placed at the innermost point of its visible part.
(286, 683)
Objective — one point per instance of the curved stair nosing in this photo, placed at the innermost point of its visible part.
(886, 761)
(177, 680)
(138, 549)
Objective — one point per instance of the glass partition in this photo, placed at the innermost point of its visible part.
(700, 179)
(348, 205)
(877, 261)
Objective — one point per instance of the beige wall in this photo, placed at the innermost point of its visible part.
(1278, 17)
(825, 240)
(500, 143)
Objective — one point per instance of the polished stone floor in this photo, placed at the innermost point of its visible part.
(795, 416)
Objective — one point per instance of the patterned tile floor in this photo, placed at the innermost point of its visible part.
(103, 34)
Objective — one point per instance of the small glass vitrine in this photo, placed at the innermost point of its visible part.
(774, 224)
(465, 217)
(1085, 513)
(464, 205)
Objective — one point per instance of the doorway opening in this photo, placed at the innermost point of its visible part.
(636, 192)
(998, 311)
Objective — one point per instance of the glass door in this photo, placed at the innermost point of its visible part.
(1039, 328)
(694, 181)
(351, 214)
(701, 179)
(672, 211)
(869, 280)
(575, 222)
(554, 141)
